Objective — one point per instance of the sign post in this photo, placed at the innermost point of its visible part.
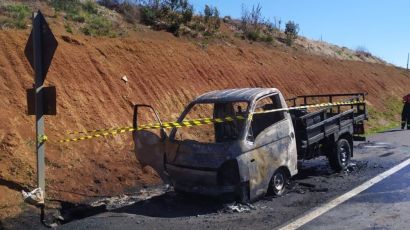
(39, 50)
(38, 85)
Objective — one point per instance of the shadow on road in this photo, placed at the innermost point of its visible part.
(393, 131)
(172, 205)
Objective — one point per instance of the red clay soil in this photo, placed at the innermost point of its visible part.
(162, 70)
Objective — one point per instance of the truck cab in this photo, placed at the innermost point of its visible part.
(231, 147)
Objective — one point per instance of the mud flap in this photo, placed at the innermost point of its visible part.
(149, 146)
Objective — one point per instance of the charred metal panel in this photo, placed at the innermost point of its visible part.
(292, 161)
(203, 155)
(274, 147)
(197, 181)
(269, 153)
(149, 150)
(247, 94)
(191, 176)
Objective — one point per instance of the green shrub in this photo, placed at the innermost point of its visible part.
(227, 19)
(216, 19)
(212, 19)
(148, 15)
(16, 15)
(68, 6)
(268, 38)
(362, 51)
(79, 17)
(166, 14)
(75, 10)
(93, 23)
(98, 26)
(291, 31)
(174, 28)
(90, 7)
(251, 22)
(72, 8)
(252, 35)
(110, 4)
(198, 25)
(207, 13)
(187, 14)
(68, 28)
(129, 11)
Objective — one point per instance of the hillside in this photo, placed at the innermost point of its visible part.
(162, 70)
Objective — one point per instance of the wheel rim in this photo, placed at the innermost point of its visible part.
(344, 155)
(278, 181)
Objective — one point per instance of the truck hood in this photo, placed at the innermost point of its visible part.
(207, 156)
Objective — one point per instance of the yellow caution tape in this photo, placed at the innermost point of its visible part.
(313, 106)
(103, 134)
(42, 139)
(96, 130)
(186, 123)
(165, 125)
(189, 123)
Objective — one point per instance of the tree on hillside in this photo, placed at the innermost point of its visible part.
(177, 5)
(217, 18)
(110, 4)
(291, 31)
(251, 22)
(207, 13)
(211, 18)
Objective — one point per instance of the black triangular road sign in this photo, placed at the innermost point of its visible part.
(48, 45)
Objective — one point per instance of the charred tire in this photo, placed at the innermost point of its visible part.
(340, 155)
(278, 182)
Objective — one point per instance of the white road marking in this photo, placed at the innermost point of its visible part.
(299, 222)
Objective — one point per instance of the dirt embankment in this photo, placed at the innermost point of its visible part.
(162, 70)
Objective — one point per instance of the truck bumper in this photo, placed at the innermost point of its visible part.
(197, 181)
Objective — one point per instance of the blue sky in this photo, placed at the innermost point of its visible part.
(381, 26)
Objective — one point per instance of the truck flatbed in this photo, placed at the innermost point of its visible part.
(327, 124)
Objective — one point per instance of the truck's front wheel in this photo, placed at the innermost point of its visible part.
(277, 185)
(339, 157)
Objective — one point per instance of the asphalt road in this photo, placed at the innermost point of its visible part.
(383, 206)
(386, 205)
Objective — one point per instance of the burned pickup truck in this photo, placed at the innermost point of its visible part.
(247, 142)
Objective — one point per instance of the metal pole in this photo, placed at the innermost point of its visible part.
(37, 45)
(408, 56)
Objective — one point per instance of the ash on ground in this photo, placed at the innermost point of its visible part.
(237, 208)
(129, 199)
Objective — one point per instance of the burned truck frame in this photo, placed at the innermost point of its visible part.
(249, 155)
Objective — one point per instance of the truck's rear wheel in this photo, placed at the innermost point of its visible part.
(277, 185)
(339, 157)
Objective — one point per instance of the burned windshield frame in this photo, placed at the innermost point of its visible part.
(189, 108)
(274, 99)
